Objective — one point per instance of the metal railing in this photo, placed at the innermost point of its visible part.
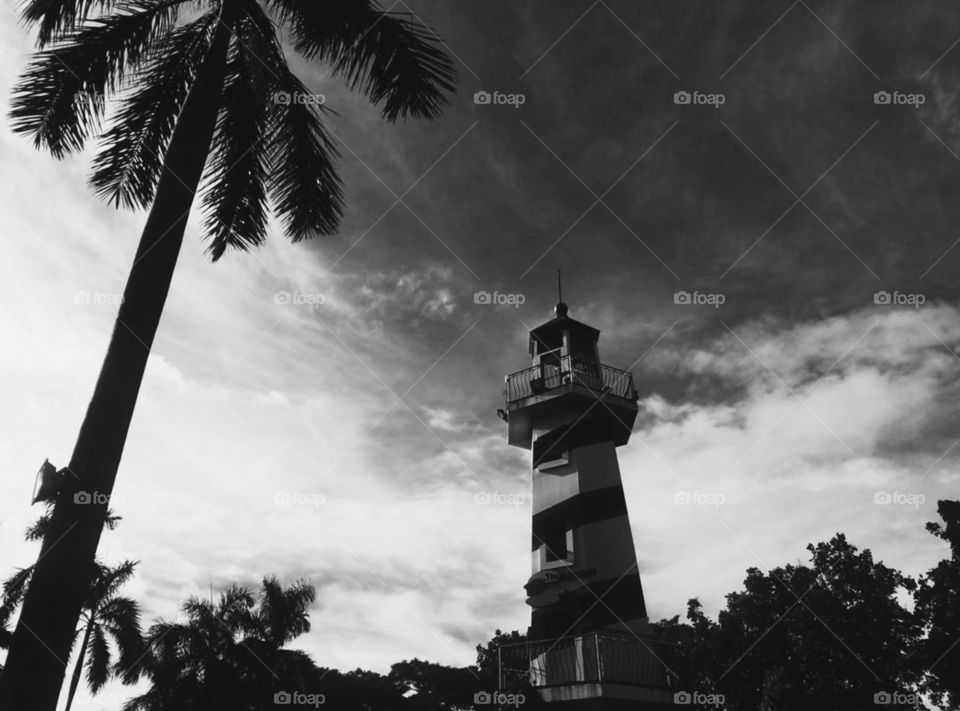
(546, 376)
(589, 658)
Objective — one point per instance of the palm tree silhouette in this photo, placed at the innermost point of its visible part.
(209, 93)
(106, 616)
(229, 654)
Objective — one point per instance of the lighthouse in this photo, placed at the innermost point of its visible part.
(589, 645)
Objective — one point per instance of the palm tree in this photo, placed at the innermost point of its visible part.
(106, 616)
(229, 654)
(208, 92)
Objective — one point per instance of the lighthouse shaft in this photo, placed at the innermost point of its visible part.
(584, 568)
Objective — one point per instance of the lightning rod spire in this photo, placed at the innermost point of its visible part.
(561, 308)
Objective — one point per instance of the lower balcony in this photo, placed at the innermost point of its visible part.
(574, 672)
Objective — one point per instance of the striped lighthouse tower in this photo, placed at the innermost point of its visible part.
(590, 644)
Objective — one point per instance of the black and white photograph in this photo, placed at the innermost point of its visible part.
(528, 355)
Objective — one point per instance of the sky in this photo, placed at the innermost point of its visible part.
(774, 260)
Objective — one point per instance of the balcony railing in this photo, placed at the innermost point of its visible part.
(592, 658)
(546, 376)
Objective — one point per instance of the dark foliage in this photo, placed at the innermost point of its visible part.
(938, 610)
(271, 147)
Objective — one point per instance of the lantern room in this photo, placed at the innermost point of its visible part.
(567, 380)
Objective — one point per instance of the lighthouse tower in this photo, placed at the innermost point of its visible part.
(590, 645)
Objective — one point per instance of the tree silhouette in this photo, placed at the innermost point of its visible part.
(436, 687)
(209, 93)
(229, 654)
(105, 617)
(938, 609)
(830, 636)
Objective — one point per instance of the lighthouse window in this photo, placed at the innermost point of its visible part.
(582, 347)
(558, 546)
(550, 358)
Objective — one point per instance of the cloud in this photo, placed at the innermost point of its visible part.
(831, 413)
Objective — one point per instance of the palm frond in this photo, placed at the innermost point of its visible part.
(234, 192)
(161, 638)
(109, 580)
(393, 58)
(6, 636)
(15, 587)
(38, 529)
(284, 611)
(305, 190)
(56, 17)
(197, 608)
(266, 151)
(98, 659)
(233, 609)
(120, 618)
(60, 97)
(129, 163)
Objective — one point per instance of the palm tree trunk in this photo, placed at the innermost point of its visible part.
(77, 670)
(36, 664)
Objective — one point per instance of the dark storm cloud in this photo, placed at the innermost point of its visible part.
(712, 204)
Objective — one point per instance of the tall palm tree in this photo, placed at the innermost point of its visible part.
(106, 616)
(207, 92)
(229, 654)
